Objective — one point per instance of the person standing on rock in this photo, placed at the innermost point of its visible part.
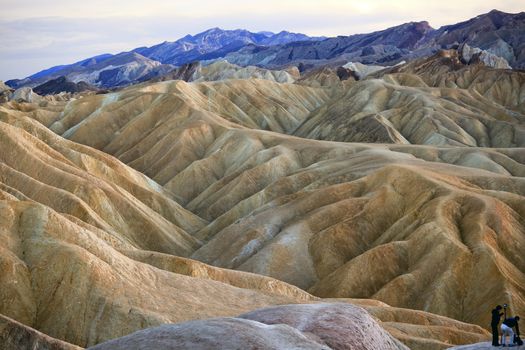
(506, 329)
(496, 315)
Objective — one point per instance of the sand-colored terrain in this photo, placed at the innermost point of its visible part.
(173, 201)
(77, 274)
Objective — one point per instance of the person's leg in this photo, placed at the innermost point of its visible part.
(511, 336)
(494, 336)
(503, 334)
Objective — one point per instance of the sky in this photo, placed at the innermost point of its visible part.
(38, 34)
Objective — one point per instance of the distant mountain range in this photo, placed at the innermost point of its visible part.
(216, 43)
(497, 33)
(101, 71)
(148, 62)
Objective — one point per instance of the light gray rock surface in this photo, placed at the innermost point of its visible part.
(323, 326)
(219, 333)
(339, 325)
(472, 54)
(363, 70)
(25, 94)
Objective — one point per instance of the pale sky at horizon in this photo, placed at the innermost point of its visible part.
(38, 34)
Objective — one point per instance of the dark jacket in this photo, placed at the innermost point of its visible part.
(512, 322)
(496, 315)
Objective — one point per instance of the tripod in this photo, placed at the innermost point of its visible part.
(504, 318)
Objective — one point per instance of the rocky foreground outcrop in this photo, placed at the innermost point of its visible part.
(17, 336)
(310, 326)
(339, 326)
